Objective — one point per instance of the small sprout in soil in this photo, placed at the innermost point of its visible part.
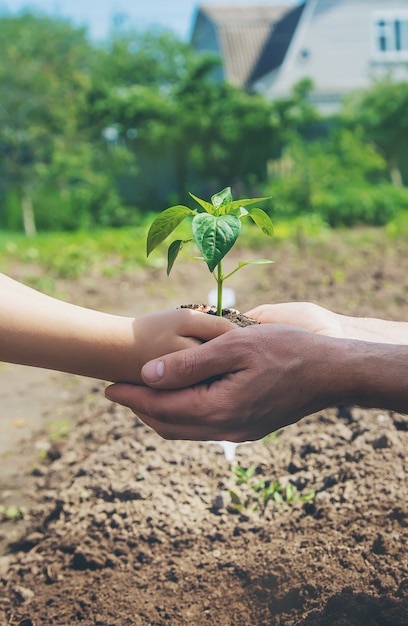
(59, 429)
(215, 228)
(242, 474)
(272, 438)
(259, 491)
(11, 513)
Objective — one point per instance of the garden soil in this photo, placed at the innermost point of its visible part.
(124, 528)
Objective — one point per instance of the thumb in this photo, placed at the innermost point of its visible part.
(188, 367)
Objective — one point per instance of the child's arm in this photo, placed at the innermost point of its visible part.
(41, 331)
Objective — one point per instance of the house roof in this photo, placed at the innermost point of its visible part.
(277, 44)
(243, 31)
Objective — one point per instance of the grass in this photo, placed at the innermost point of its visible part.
(71, 254)
(110, 252)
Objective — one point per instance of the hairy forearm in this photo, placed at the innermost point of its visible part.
(375, 330)
(41, 331)
(372, 375)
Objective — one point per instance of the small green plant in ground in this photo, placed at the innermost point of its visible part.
(11, 513)
(59, 429)
(272, 438)
(243, 475)
(259, 491)
(215, 227)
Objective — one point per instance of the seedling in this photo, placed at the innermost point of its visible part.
(272, 438)
(242, 474)
(215, 227)
(258, 492)
(11, 513)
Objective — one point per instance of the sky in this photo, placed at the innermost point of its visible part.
(97, 15)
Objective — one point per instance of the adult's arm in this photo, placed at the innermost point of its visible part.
(263, 378)
(42, 331)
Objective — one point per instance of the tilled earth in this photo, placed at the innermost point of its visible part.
(126, 528)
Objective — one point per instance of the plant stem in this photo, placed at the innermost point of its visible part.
(220, 280)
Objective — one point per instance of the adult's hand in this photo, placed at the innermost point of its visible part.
(257, 379)
(305, 315)
(322, 321)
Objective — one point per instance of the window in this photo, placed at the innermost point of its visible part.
(391, 35)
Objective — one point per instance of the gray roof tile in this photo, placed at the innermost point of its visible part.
(243, 33)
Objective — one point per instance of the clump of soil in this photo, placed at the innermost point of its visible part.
(235, 316)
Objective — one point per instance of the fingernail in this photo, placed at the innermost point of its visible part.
(153, 371)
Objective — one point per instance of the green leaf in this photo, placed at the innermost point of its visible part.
(267, 496)
(240, 212)
(235, 499)
(255, 262)
(208, 208)
(308, 497)
(290, 492)
(222, 198)
(215, 236)
(237, 204)
(262, 220)
(164, 224)
(173, 251)
(259, 486)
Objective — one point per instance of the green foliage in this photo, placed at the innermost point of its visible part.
(215, 228)
(242, 474)
(236, 136)
(11, 513)
(258, 492)
(76, 254)
(207, 129)
(109, 252)
(382, 112)
(43, 92)
(272, 438)
(342, 179)
(149, 58)
(376, 205)
(59, 429)
(294, 116)
(398, 227)
(86, 133)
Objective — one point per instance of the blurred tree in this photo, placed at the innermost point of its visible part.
(342, 177)
(208, 129)
(295, 115)
(151, 59)
(382, 111)
(53, 165)
(44, 74)
(236, 137)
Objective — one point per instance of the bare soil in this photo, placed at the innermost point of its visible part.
(123, 527)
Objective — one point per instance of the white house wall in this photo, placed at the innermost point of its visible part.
(334, 46)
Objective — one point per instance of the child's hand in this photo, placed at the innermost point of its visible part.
(169, 331)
